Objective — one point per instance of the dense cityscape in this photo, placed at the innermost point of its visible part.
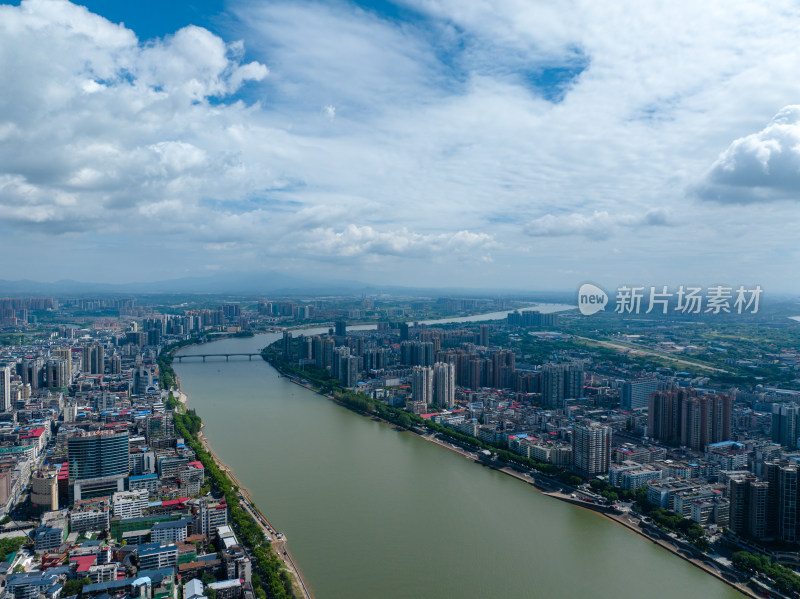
(107, 488)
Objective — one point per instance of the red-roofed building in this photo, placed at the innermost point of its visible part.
(36, 437)
(50, 560)
(174, 502)
(37, 432)
(84, 562)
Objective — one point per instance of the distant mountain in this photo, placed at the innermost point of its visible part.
(252, 283)
(63, 287)
(256, 283)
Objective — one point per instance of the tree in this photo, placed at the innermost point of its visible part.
(746, 562)
(598, 485)
(74, 586)
(10, 545)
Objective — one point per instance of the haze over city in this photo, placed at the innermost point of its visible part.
(501, 144)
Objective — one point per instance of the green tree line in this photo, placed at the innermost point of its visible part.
(166, 374)
(272, 581)
(401, 418)
(781, 577)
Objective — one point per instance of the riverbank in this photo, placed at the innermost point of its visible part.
(542, 484)
(277, 540)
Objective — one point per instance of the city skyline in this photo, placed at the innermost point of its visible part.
(414, 143)
(341, 416)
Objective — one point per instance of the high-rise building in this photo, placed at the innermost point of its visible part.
(287, 345)
(758, 506)
(552, 385)
(705, 419)
(5, 388)
(417, 353)
(328, 345)
(785, 419)
(484, 335)
(318, 353)
(721, 414)
(339, 353)
(444, 384)
(664, 415)
(422, 384)
(306, 347)
(64, 353)
(376, 358)
(348, 370)
(738, 495)
(503, 366)
(231, 310)
(683, 416)
(341, 328)
(573, 380)
(142, 379)
(98, 360)
(98, 464)
(787, 503)
(750, 507)
(591, 448)
(560, 382)
(115, 363)
(94, 358)
(635, 394)
(212, 514)
(57, 373)
(32, 372)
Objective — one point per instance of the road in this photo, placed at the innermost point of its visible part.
(646, 352)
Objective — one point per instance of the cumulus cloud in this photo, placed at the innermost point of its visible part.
(598, 225)
(764, 166)
(442, 141)
(356, 241)
(91, 119)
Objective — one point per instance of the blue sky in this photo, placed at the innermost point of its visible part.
(493, 143)
(153, 18)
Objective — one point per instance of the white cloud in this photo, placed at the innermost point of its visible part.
(760, 167)
(100, 115)
(598, 225)
(354, 59)
(436, 135)
(356, 241)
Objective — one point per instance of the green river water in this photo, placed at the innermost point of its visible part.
(370, 512)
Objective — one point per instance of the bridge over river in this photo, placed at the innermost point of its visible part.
(249, 356)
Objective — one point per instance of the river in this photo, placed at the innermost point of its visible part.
(370, 512)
